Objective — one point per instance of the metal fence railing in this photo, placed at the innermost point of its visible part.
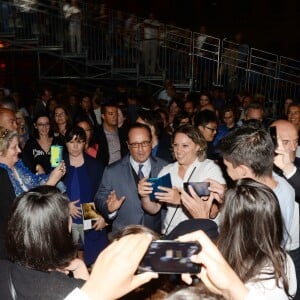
(113, 43)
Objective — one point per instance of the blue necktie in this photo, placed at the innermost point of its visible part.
(140, 173)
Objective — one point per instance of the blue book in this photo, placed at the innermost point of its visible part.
(164, 181)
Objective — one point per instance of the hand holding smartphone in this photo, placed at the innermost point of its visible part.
(201, 188)
(170, 257)
(56, 152)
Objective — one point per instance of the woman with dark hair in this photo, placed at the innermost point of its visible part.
(204, 100)
(62, 121)
(83, 176)
(36, 153)
(91, 146)
(40, 248)
(191, 165)
(251, 231)
(175, 107)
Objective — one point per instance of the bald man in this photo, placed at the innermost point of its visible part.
(287, 137)
(8, 119)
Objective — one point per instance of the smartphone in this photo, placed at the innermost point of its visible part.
(273, 133)
(170, 257)
(201, 188)
(55, 155)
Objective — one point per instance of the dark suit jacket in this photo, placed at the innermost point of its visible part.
(81, 114)
(39, 107)
(120, 178)
(7, 197)
(32, 284)
(164, 150)
(103, 153)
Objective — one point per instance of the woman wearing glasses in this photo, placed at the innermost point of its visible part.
(62, 121)
(36, 153)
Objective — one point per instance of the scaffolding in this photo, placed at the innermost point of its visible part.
(112, 45)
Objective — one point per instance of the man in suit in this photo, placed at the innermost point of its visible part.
(117, 198)
(112, 143)
(41, 103)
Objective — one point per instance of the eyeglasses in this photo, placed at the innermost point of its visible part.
(43, 124)
(142, 144)
(211, 129)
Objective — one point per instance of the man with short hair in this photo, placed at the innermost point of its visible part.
(8, 118)
(117, 198)
(40, 106)
(254, 111)
(86, 110)
(112, 143)
(207, 123)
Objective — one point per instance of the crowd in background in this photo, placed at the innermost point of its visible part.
(114, 139)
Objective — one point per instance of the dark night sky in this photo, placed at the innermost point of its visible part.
(270, 25)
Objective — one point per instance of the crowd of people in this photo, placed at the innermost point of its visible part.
(247, 223)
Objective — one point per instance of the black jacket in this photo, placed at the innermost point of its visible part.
(103, 153)
(31, 284)
(7, 197)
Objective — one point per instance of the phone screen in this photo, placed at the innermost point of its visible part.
(170, 257)
(55, 155)
(200, 188)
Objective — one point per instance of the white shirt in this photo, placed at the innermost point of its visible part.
(267, 289)
(202, 171)
(77, 294)
(146, 166)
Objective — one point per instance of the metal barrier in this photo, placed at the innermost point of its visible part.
(113, 45)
